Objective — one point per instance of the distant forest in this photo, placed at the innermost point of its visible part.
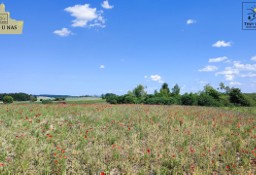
(209, 96)
(18, 96)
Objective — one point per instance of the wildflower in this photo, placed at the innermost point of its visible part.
(102, 173)
(1, 164)
(192, 150)
(62, 151)
(148, 151)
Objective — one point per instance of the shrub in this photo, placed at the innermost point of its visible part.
(130, 99)
(7, 99)
(237, 98)
(112, 99)
(189, 99)
(33, 98)
(160, 101)
(46, 101)
(207, 100)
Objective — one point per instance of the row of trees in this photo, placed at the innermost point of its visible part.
(209, 96)
(19, 96)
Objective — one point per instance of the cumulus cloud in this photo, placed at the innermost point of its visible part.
(218, 59)
(85, 16)
(229, 73)
(253, 58)
(222, 44)
(106, 5)
(155, 77)
(191, 21)
(235, 83)
(64, 32)
(208, 69)
(246, 67)
(102, 66)
(250, 75)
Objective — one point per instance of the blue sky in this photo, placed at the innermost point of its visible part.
(95, 46)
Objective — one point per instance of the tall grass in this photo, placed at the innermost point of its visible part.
(125, 139)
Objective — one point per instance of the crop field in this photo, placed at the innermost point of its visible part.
(125, 139)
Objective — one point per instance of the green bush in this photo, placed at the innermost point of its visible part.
(207, 100)
(129, 99)
(189, 99)
(237, 98)
(160, 101)
(46, 101)
(7, 99)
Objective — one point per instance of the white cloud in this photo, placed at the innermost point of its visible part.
(191, 21)
(85, 16)
(64, 32)
(208, 69)
(234, 83)
(253, 58)
(250, 75)
(155, 77)
(106, 5)
(229, 73)
(218, 59)
(102, 66)
(221, 44)
(245, 67)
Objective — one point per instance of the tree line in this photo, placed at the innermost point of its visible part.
(209, 96)
(18, 96)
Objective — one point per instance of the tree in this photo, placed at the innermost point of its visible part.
(207, 100)
(7, 99)
(165, 91)
(189, 99)
(139, 91)
(236, 97)
(223, 87)
(209, 90)
(176, 90)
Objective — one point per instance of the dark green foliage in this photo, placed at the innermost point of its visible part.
(139, 91)
(176, 90)
(111, 98)
(209, 90)
(164, 91)
(16, 96)
(160, 101)
(208, 97)
(189, 99)
(237, 98)
(59, 99)
(224, 100)
(129, 99)
(207, 100)
(7, 99)
(47, 101)
(105, 96)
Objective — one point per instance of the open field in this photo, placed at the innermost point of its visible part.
(125, 139)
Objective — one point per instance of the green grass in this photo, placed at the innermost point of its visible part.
(82, 98)
(246, 110)
(125, 139)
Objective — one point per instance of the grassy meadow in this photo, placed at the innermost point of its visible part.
(125, 139)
